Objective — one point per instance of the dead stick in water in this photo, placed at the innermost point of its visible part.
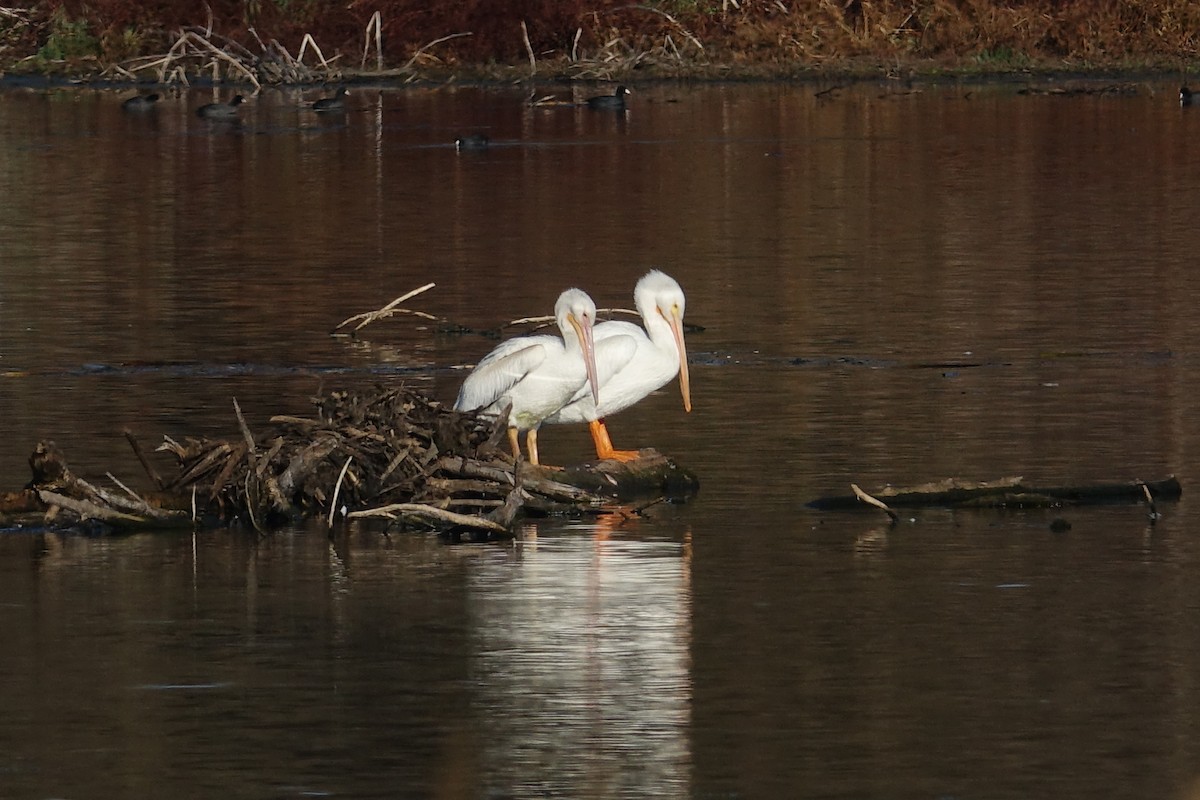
(245, 428)
(85, 509)
(145, 462)
(367, 317)
(234, 458)
(136, 503)
(543, 321)
(415, 509)
(250, 502)
(337, 488)
(871, 501)
(1150, 502)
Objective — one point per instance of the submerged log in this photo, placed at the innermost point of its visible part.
(1007, 493)
(392, 454)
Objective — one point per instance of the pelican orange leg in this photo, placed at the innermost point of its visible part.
(604, 448)
(514, 439)
(531, 446)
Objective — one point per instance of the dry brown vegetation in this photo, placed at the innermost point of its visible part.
(595, 39)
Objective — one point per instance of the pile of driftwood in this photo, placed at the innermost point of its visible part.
(392, 454)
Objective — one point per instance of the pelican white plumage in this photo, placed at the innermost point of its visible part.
(537, 374)
(659, 355)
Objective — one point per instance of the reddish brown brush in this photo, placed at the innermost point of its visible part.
(772, 35)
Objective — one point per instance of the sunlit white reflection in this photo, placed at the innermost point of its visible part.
(581, 666)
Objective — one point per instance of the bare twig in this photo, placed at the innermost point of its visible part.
(85, 509)
(871, 501)
(337, 489)
(528, 48)
(368, 317)
(375, 24)
(309, 41)
(124, 488)
(669, 18)
(1154, 515)
(141, 457)
(396, 510)
(220, 55)
(544, 320)
(548, 101)
(424, 47)
(249, 437)
(250, 504)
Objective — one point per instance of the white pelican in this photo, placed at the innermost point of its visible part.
(660, 355)
(537, 374)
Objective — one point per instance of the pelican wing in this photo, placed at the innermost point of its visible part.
(615, 349)
(498, 372)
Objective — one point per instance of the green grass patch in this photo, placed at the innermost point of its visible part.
(68, 39)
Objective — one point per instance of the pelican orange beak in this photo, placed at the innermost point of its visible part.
(584, 331)
(685, 384)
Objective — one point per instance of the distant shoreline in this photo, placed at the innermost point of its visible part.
(274, 42)
(1048, 77)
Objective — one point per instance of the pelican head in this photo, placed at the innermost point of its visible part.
(658, 296)
(575, 313)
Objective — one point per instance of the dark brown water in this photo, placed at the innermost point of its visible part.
(894, 287)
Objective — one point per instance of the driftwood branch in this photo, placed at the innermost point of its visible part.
(871, 501)
(243, 427)
(398, 510)
(1149, 495)
(337, 488)
(86, 510)
(366, 318)
(1008, 493)
(151, 472)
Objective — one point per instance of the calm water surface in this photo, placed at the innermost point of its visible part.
(894, 286)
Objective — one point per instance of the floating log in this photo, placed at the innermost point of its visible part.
(393, 454)
(1006, 493)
